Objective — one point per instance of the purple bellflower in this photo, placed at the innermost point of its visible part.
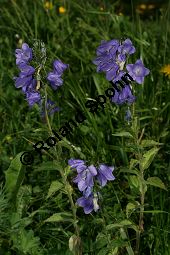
(111, 59)
(124, 96)
(23, 55)
(126, 47)
(33, 97)
(89, 203)
(85, 181)
(105, 174)
(85, 176)
(137, 71)
(55, 77)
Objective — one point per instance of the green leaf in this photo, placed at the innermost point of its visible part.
(58, 217)
(14, 175)
(155, 181)
(134, 181)
(54, 187)
(131, 208)
(123, 134)
(133, 163)
(49, 166)
(149, 143)
(148, 158)
(123, 223)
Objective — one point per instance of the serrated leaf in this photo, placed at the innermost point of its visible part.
(155, 181)
(123, 134)
(58, 217)
(13, 174)
(54, 187)
(148, 143)
(148, 158)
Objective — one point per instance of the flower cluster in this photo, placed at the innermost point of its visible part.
(111, 59)
(29, 84)
(85, 181)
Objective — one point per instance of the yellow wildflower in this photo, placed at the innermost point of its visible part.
(62, 9)
(166, 70)
(142, 6)
(101, 8)
(48, 5)
(8, 138)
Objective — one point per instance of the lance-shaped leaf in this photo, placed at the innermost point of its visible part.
(148, 158)
(54, 187)
(14, 175)
(155, 181)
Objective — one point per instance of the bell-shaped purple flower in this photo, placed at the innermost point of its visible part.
(126, 47)
(105, 174)
(78, 164)
(124, 96)
(89, 203)
(25, 69)
(85, 178)
(108, 47)
(33, 97)
(59, 67)
(55, 80)
(55, 77)
(137, 71)
(23, 55)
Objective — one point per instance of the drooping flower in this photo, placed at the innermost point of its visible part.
(124, 96)
(84, 178)
(137, 71)
(55, 77)
(126, 47)
(33, 97)
(78, 164)
(108, 47)
(105, 174)
(23, 55)
(89, 203)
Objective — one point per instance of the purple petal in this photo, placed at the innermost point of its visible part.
(92, 170)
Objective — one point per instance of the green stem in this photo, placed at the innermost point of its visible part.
(67, 186)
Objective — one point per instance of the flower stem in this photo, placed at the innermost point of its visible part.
(68, 189)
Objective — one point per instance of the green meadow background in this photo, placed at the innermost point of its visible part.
(31, 195)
